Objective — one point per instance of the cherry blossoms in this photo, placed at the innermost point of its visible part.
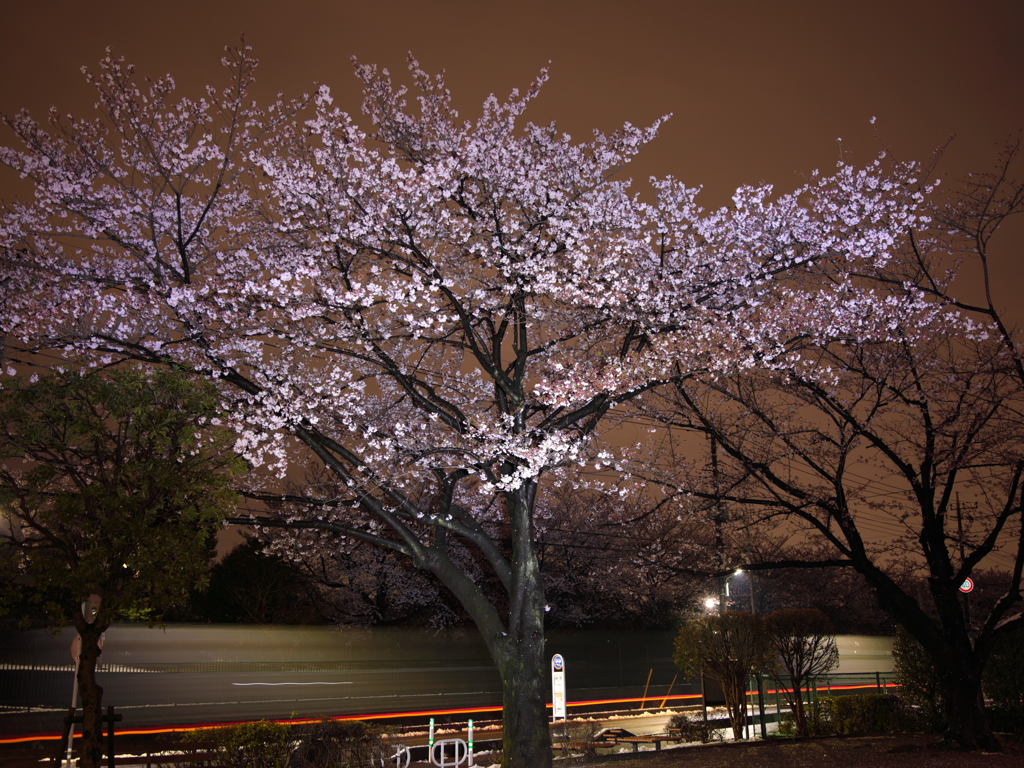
(436, 311)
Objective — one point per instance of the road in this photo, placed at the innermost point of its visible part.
(201, 674)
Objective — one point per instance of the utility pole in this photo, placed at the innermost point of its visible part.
(960, 533)
(720, 516)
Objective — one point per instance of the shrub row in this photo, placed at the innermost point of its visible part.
(327, 744)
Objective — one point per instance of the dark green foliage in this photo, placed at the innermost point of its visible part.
(919, 681)
(265, 744)
(112, 480)
(693, 729)
(862, 713)
(249, 745)
(250, 586)
(344, 744)
(1003, 681)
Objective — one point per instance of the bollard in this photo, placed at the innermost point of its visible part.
(401, 758)
(460, 756)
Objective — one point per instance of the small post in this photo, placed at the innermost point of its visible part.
(110, 719)
(748, 712)
(878, 681)
(65, 738)
(430, 745)
(470, 744)
(643, 704)
(71, 714)
(760, 704)
(670, 686)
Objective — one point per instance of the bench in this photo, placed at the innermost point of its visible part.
(655, 739)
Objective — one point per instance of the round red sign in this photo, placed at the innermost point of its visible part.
(967, 586)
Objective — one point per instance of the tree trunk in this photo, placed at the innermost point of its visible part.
(966, 719)
(799, 715)
(520, 653)
(734, 694)
(92, 695)
(527, 734)
(948, 645)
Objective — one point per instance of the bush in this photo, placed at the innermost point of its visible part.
(1004, 683)
(920, 685)
(342, 744)
(327, 744)
(862, 713)
(816, 726)
(691, 729)
(577, 736)
(253, 745)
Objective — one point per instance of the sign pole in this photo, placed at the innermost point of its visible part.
(76, 654)
(90, 608)
(557, 687)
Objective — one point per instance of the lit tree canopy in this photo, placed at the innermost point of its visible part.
(440, 311)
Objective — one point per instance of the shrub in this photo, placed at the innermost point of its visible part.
(577, 736)
(816, 726)
(253, 745)
(1004, 683)
(341, 744)
(862, 713)
(920, 684)
(691, 729)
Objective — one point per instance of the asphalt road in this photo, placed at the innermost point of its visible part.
(201, 674)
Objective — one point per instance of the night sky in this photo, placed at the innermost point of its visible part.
(759, 90)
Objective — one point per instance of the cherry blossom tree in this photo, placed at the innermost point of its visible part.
(898, 455)
(441, 312)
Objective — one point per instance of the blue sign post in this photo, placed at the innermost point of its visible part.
(557, 687)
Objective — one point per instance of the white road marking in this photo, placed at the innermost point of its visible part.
(345, 683)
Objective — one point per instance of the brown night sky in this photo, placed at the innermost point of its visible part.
(759, 90)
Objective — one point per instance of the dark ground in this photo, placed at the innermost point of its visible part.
(890, 751)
